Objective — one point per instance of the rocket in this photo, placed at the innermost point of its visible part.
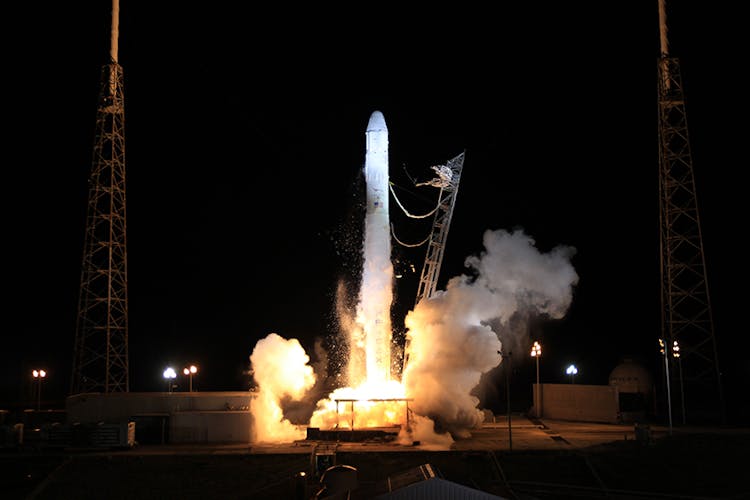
(376, 167)
(377, 276)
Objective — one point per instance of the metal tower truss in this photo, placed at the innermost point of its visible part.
(686, 305)
(436, 244)
(449, 176)
(101, 339)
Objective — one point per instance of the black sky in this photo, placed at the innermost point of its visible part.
(245, 139)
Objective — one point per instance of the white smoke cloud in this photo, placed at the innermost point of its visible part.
(450, 341)
(281, 370)
(512, 269)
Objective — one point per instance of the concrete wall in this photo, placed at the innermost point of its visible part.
(583, 403)
(186, 417)
(98, 407)
(210, 427)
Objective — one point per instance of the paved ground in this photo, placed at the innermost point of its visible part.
(530, 460)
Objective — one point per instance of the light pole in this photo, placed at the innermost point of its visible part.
(536, 353)
(507, 395)
(192, 370)
(169, 376)
(572, 371)
(39, 375)
(663, 351)
(676, 354)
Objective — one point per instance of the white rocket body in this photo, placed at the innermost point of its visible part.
(376, 168)
(377, 278)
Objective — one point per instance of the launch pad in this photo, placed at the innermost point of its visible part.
(348, 432)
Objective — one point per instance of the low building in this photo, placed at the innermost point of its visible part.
(170, 417)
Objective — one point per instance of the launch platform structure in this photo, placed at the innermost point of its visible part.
(441, 223)
(100, 355)
(687, 326)
(448, 178)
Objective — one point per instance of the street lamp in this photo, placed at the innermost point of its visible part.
(676, 354)
(192, 370)
(663, 351)
(536, 353)
(39, 375)
(572, 371)
(169, 376)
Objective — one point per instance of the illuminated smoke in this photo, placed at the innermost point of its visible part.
(281, 370)
(451, 343)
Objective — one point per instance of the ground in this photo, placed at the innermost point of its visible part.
(531, 460)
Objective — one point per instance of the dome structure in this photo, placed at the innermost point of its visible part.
(631, 377)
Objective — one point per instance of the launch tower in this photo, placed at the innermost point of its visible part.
(687, 320)
(441, 223)
(100, 357)
(447, 179)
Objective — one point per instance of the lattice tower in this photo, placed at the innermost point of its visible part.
(685, 301)
(100, 358)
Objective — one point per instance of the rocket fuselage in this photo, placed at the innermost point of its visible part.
(376, 166)
(377, 277)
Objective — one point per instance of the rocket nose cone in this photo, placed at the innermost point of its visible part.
(377, 122)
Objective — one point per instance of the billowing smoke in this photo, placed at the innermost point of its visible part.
(281, 370)
(451, 341)
(299, 408)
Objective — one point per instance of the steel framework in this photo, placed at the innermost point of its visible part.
(101, 338)
(685, 302)
(439, 235)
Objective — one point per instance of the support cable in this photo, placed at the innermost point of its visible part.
(406, 212)
(408, 245)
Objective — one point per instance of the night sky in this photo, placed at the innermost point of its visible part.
(244, 147)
